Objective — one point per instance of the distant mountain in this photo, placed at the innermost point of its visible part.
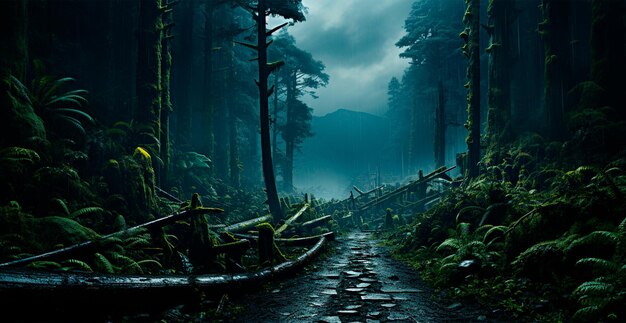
(346, 145)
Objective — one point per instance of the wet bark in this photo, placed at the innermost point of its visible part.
(471, 49)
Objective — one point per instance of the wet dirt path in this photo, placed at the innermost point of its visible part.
(357, 283)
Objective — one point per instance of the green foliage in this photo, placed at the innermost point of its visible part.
(59, 108)
(102, 264)
(75, 264)
(86, 211)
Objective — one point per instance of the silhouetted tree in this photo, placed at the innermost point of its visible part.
(501, 18)
(302, 74)
(471, 49)
(554, 30)
(291, 9)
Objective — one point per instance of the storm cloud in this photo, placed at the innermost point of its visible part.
(355, 40)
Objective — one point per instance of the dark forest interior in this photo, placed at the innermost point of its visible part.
(397, 160)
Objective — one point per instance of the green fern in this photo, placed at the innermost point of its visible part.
(137, 243)
(494, 233)
(594, 288)
(85, 211)
(466, 212)
(463, 229)
(44, 265)
(451, 244)
(103, 264)
(600, 238)
(20, 154)
(76, 264)
(600, 265)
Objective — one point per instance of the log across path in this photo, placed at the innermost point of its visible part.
(69, 295)
(358, 283)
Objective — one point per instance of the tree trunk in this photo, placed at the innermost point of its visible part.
(275, 120)
(13, 48)
(205, 142)
(471, 49)
(184, 60)
(166, 69)
(499, 93)
(440, 127)
(289, 134)
(607, 50)
(555, 33)
(148, 110)
(266, 149)
(232, 105)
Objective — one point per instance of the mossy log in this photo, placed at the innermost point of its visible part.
(247, 224)
(291, 220)
(296, 242)
(438, 172)
(239, 246)
(91, 245)
(76, 294)
(315, 222)
(361, 193)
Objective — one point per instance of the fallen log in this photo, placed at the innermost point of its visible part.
(247, 224)
(317, 221)
(438, 172)
(297, 242)
(94, 244)
(368, 192)
(291, 220)
(239, 246)
(76, 295)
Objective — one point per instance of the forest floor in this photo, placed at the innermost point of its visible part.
(359, 282)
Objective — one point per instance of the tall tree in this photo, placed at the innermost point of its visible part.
(471, 49)
(205, 140)
(166, 101)
(554, 30)
(291, 10)
(440, 127)
(302, 74)
(607, 50)
(148, 111)
(501, 17)
(183, 71)
(431, 43)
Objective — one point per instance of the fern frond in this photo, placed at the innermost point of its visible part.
(594, 288)
(20, 153)
(103, 264)
(137, 243)
(85, 211)
(586, 312)
(452, 244)
(448, 266)
(77, 264)
(461, 216)
(149, 261)
(596, 238)
(599, 264)
(44, 265)
(463, 229)
(494, 233)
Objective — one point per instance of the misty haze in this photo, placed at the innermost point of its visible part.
(313, 161)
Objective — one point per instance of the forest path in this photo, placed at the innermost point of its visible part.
(357, 283)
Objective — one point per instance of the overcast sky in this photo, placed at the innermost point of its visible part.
(355, 40)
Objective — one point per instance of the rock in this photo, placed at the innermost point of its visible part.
(354, 290)
(454, 306)
(329, 292)
(376, 297)
(388, 305)
(330, 319)
(347, 312)
(363, 285)
(353, 307)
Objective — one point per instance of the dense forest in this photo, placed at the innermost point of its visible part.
(162, 137)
